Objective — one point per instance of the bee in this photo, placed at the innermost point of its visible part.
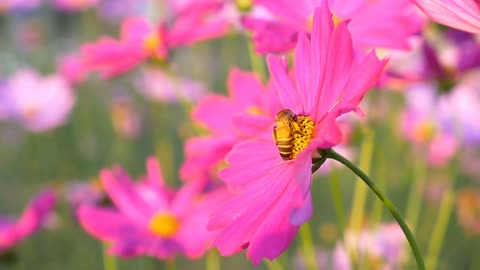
(284, 132)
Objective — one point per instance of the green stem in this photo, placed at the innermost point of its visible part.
(439, 230)
(212, 261)
(360, 193)
(308, 247)
(330, 153)
(109, 262)
(414, 198)
(378, 208)
(337, 200)
(273, 265)
(170, 264)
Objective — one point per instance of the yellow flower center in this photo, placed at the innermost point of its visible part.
(254, 110)
(151, 43)
(304, 129)
(336, 20)
(164, 224)
(424, 131)
(244, 5)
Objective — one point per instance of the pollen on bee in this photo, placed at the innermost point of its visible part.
(303, 135)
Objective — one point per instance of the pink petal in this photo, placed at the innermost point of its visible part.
(289, 97)
(460, 14)
(135, 30)
(244, 86)
(125, 196)
(303, 69)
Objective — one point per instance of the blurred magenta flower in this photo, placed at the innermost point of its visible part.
(72, 68)
(74, 5)
(460, 14)
(162, 86)
(149, 218)
(248, 110)
(140, 40)
(27, 99)
(422, 124)
(379, 248)
(272, 197)
(399, 21)
(32, 219)
(79, 193)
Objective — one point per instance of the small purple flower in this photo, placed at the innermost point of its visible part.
(34, 216)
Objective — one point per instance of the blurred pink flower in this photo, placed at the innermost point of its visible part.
(148, 218)
(272, 197)
(79, 193)
(460, 14)
(15, 5)
(380, 248)
(72, 68)
(140, 40)
(423, 126)
(33, 217)
(161, 86)
(27, 99)
(394, 23)
(248, 110)
(74, 5)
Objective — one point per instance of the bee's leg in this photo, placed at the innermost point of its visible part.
(296, 127)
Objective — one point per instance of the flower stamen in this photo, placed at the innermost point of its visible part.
(164, 224)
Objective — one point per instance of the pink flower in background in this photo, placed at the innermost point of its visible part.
(37, 103)
(164, 87)
(33, 217)
(460, 14)
(248, 110)
(72, 68)
(148, 218)
(19, 5)
(74, 5)
(379, 248)
(272, 197)
(140, 40)
(393, 24)
(422, 124)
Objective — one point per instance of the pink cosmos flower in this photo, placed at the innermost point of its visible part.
(19, 4)
(74, 5)
(33, 217)
(140, 40)
(149, 218)
(72, 68)
(460, 14)
(28, 99)
(272, 197)
(394, 22)
(248, 98)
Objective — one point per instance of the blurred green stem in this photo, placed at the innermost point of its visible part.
(212, 261)
(273, 265)
(109, 262)
(170, 264)
(360, 193)
(308, 247)
(337, 200)
(256, 62)
(382, 171)
(415, 195)
(330, 153)
(439, 230)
